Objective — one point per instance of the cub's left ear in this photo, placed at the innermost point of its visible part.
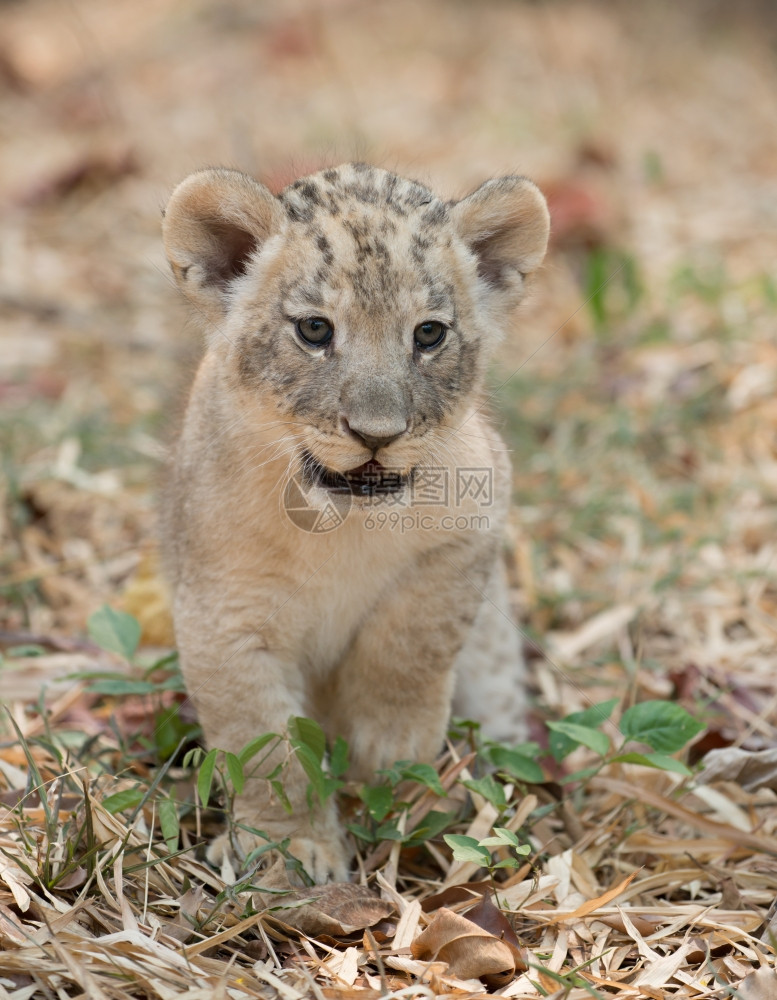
(506, 224)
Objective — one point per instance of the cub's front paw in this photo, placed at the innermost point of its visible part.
(232, 847)
(324, 860)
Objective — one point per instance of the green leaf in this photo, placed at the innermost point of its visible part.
(331, 785)
(592, 738)
(167, 731)
(459, 728)
(516, 764)
(193, 757)
(338, 760)
(392, 774)
(388, 831)
(424, 774)
(361, 832)
(561, 745)
(52, 748)
(666, 763)
(93, 675)
(172, 683)
(170, 730)
(168, 821)
(205, 777)
(567, 981)
(467, 849)
(168, 660)
(311, 765)
(37, 779)
(489, 788)
(507, 863)
(235, 770)
(502, 836)
(283, 798)
(115, 631)
(662, 725)
(122, 686)
(20, 864)
(25, 650)
(128, 798)
(379, 799)
(430, 826)
(582, 775)
(253, 747)
(256, 832)
(659, 760)
(257, 853)
(309, 733)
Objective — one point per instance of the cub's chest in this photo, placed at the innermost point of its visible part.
(363, 568)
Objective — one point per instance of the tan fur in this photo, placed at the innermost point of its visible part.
(371, 631)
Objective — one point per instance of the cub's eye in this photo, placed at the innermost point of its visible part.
(315, 331)
(430, 334)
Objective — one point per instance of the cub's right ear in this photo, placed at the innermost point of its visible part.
(213, 223)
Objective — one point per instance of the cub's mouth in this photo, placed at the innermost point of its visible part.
(367, 480)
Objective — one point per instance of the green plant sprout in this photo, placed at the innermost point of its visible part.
(663, 726)
(305, 742)
(120, 633)
(480, 851)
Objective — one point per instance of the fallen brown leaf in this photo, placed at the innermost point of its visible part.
(760, 985)
(593, 904)
(74, 880)
(470, 951)
(752, 769)
(338, 908)
(490, 918)
(455, 894)
(643, 925)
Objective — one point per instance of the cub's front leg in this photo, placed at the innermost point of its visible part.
(392, 696)
(242, 689)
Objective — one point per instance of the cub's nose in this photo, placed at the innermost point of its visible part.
(378, 436)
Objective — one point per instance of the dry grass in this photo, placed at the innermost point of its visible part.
(632, 890)
(637, 395)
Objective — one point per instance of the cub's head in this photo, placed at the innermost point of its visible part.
(356, 308)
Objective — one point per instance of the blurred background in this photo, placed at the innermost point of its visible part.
(637, 388)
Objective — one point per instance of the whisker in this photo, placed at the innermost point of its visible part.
(274, 458)
(285, 476)
(281, 446)
(251, 428)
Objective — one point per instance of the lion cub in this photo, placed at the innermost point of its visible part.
(338, 498)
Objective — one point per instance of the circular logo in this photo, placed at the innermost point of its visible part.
(302, 502)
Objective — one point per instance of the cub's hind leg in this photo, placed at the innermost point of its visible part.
(490, 669)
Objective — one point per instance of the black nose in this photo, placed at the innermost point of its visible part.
(373, 439)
